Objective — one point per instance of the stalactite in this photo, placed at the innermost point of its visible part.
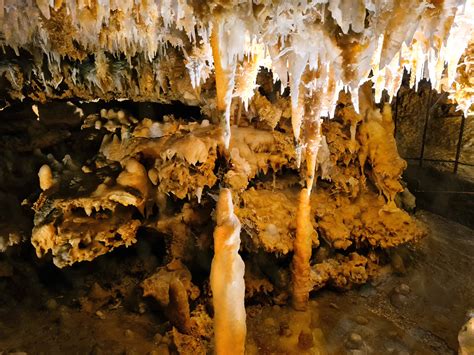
(377, 41)
(246, 75)
(313, 142)
(224, 70)
(296, 68)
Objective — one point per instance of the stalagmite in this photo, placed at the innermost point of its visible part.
(135, 176)
(304, 229)
(227, 280)
(466, 336)
(45, 177)
(301, 269)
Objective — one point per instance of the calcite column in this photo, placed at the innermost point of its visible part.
(302, 246)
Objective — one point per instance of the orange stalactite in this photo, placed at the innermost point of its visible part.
(222, 81)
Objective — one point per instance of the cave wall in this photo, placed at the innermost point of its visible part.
(428, 128)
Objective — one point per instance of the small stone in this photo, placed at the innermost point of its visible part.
(129, 333)
(100, 314)
(362, 320)
(333, 305)
(157, 338)
(403, 289)
(398, 300)
(398, 265)
(305, 340)
(51, 304)
(354, 341)
(355, 338)
(141, 308)
(367, 291)
(276, 308)
(394, 346)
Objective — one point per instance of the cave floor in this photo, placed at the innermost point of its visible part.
(419, 309)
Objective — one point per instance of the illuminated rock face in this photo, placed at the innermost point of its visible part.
(163, 175)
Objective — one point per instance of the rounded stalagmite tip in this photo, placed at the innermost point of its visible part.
(45, 175)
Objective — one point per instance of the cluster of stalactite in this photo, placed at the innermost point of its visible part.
(140, 49)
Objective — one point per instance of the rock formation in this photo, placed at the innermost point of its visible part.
(295, 118)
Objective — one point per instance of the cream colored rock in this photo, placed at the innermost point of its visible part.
(466, 338)
(46, 179)
(43, 239)
(227, 280)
